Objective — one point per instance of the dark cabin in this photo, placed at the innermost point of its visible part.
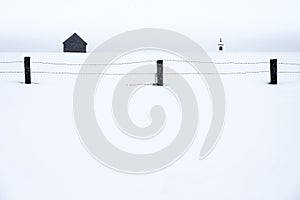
(75, 44)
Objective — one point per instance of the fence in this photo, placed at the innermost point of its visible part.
(159, 75)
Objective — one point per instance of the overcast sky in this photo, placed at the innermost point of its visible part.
(251, 25)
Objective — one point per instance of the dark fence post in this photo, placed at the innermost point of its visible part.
(160, 78)
(273, 71)
(27, 70)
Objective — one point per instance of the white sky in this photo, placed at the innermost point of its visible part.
(250, 25)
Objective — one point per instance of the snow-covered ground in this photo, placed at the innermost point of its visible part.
(257, 157)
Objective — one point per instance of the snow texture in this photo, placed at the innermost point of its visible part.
(257, 157)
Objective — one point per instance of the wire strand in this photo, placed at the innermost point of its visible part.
(11, 62)
(167, 73)
(150, 61)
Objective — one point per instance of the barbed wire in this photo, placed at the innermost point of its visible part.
(217, 63)
(166, 60)
(13, 61)
(145, 74)
(289, 63)
(93, 64)
(141, 84)
(11, 72)
(151, 61)
(289, 72)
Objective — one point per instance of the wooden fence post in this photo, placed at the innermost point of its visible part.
(160, 78)
(27, 70)
(273, 71)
